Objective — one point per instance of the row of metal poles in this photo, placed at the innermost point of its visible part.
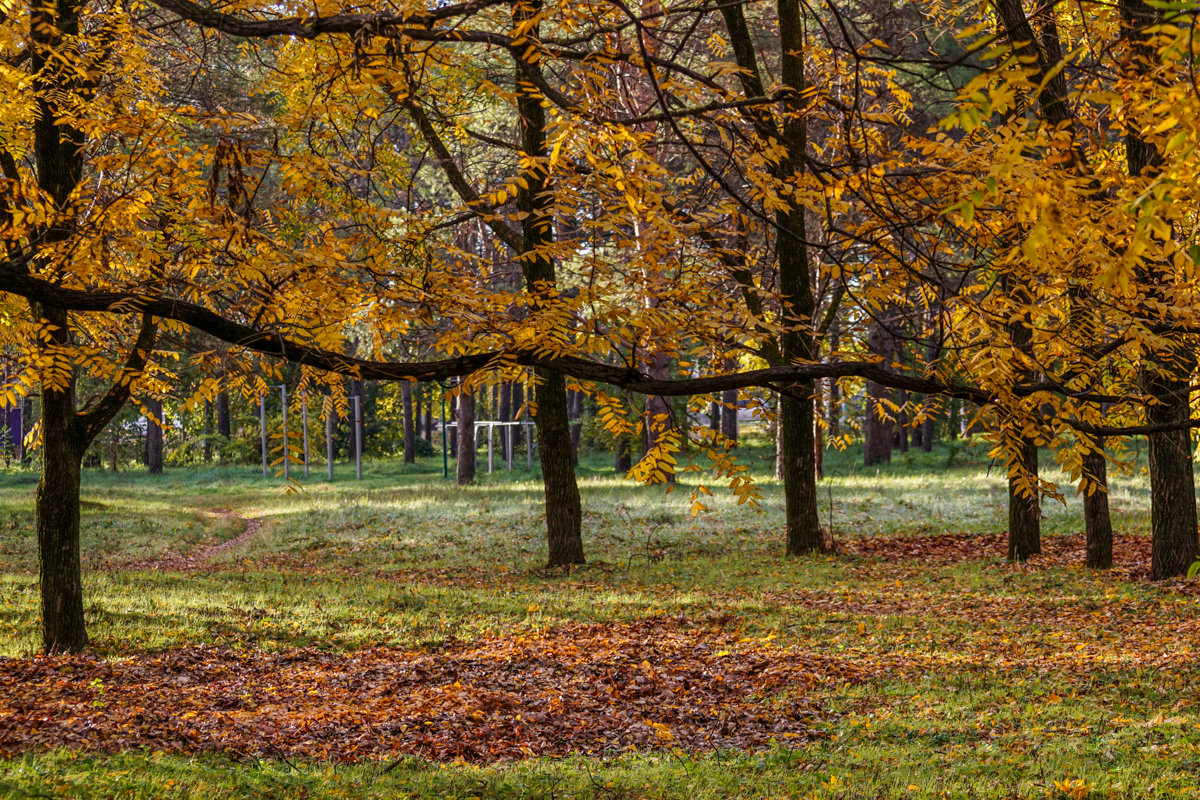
(329, 427)
(356, 403)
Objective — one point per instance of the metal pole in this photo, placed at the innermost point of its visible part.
(283, 397)
(262, 428)
(327, 406)
(445, 451)
(358, 436)
(304, 417)
(491, 430)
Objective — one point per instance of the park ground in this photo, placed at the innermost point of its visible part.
(397, 637)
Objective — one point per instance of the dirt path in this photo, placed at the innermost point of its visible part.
(204, 555)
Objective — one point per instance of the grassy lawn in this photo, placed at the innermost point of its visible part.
(398, 637)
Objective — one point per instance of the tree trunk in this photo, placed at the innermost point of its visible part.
(504, 414)
(564, 509)
(1095, 510)
(1174, 545)
(418, 415)
(154, 436)
(1024, 513)
(208, 431)
(901, 429)
(465, 470)
(877, 431)
(57, 515)
(928, 431)
(410, 427)
(729, 414)
(429, 421)
(714, 416)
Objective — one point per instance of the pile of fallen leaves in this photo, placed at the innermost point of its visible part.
(579, 689)
(1131, 554)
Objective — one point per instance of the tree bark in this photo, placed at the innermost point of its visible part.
(154, 436)
(1095, 510)
(57, 519)
(410, 427)
(208, 431)
(564, 509)
(877, 431)
(465, 469)
(729, 414)
(505, 415)
(1174, 543)
(1024, 513)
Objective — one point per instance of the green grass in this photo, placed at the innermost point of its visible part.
(984, 680)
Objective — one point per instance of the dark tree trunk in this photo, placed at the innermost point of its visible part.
(57, 515)
(622, 456)
(452, 416)
(505, 415)
(410, 427)
(1174, 543)
(1095, 510)
(208, 431)
(833, 420)
(465, 470)
(224, 428)
(877, 431)
(714, 416)
(955, 421)
(901, 433)
(1024, 512)
(928, 431)
(154, 436)
(729, 414)
(564, 510)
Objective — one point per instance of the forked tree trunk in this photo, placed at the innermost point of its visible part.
(1097, 522)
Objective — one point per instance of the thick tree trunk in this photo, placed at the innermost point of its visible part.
(1174, 545)
(57, 520)
(1024, 513)
(877, 431)
(1095, 510)
(465, 470)
(564, 509)
(799, 471)
(154, 436)
(714, 416)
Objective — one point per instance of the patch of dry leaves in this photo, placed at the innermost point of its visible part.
(579, 689)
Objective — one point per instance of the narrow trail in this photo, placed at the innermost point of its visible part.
(204, 555)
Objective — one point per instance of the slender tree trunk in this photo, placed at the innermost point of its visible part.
(901, 429)
(729, 414)
(208, 431)
(465, 470)
(410, 427)
(505, 415)
(429, 421)
(714, 416)
(154, 436)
